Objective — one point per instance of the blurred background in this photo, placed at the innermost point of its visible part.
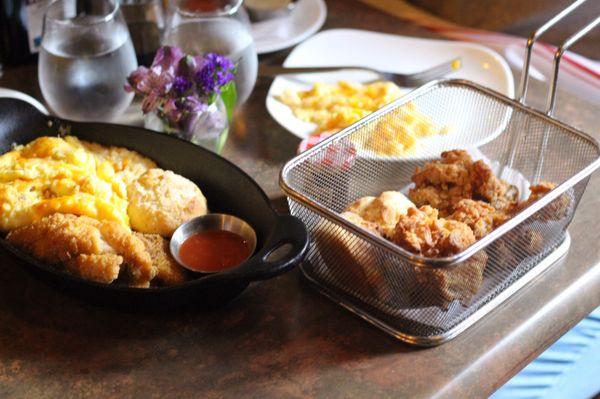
(519, 18)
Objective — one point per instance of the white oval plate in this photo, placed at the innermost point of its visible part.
(305, 19)
(387, 52)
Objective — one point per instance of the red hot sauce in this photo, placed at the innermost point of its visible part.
(213, 251)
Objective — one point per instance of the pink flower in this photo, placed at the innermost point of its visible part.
(167, 58)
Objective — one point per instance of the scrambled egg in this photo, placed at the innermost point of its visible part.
(333, 107)
(60, 175)
(336, 106)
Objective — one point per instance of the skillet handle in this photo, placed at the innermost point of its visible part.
(288, 230)
(9, 93)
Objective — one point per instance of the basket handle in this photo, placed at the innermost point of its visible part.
(551, 97)
(533, 38)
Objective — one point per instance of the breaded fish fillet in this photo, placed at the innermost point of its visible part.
(169, 272)
(92, 249)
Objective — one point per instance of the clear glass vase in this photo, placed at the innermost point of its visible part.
(208, 129)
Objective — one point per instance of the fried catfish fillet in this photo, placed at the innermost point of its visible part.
(169, 272)
(422, 232)
(445, 182)
(91, 249)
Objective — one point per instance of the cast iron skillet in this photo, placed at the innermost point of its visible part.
(227, 188)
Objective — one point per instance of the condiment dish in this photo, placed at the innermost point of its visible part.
(211, 222)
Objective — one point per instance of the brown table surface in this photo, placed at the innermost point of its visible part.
(281, 338)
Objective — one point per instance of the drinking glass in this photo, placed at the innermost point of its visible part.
(217, 26)
(85, 57)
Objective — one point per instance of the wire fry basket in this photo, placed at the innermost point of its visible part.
(426, 301)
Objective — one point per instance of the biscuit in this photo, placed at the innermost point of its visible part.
(160, 201)
(384, 210)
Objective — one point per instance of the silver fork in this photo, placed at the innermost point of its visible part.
(404, 80)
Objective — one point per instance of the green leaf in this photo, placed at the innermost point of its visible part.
(212, 98)
(229, 97)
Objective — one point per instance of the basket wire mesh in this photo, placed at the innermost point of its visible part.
(428, 299)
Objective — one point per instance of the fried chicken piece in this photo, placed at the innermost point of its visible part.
(445, 182)
(359, 221)
(442, 199)
(452, 168)
(383, 210)
(422, 232)
(555, 210)
(439, 287)
(539, 190)
(481, 217)
(92, 249)
(488, 187)
(350, 261)
(169, 271)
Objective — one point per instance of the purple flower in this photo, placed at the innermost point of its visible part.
(150, 84)
(155, 82)
(171, 112)
(182, 112)
(136, 78)
(194, 105)
(206, 78)
(189, 65)
(181, 85)
(216, 71)
(167, 58)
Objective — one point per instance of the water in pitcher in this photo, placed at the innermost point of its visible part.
(225, 36)
(82, 71)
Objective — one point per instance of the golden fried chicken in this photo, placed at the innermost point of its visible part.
(555, 210)
(92, 249)
(422, 232)
(440, 287)
(442, 199)
(372, 227)
(351, 260)
(539, 190)
(535, 193)
(383, 210)
(489, 188)
(451, 169)
(442, 183)
(481, 217)
(169, 272)
(445, 182)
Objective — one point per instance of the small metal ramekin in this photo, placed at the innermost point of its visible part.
(211, 222)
